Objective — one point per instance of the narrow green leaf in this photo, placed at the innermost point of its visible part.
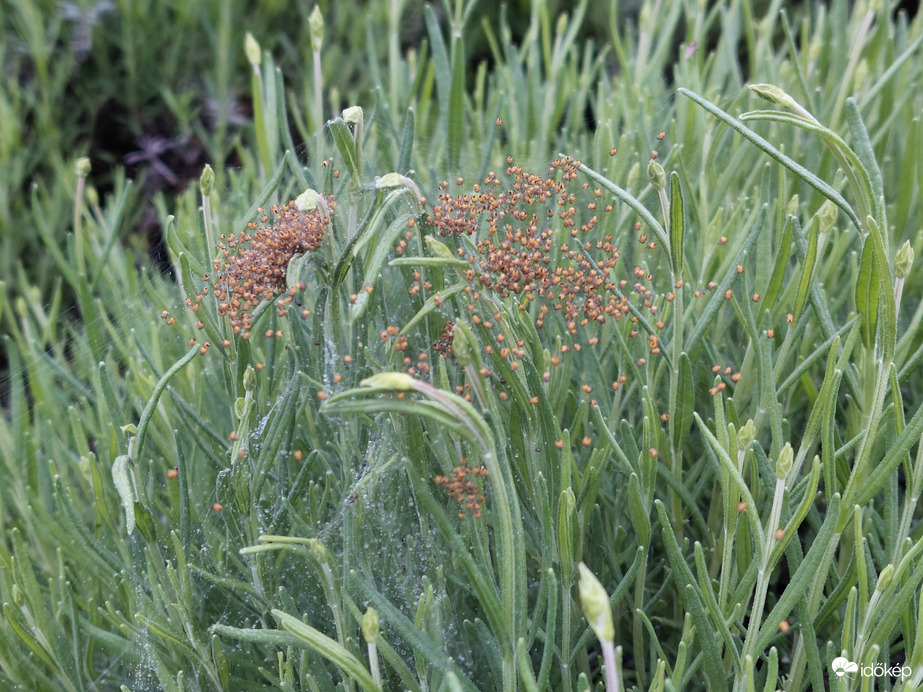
(122, 483)
(407, 139)
(896, 605)
(887, 306)
(206, 313)
(329, 648)
(682, 574)
(430, 304)
(526, 674)
(259, 120)
(807, 268)
(440, 64)
(711, 603)
(899, 448)
(810, 178)
(268, 637)
(633, 203)
(794, 523)
(270, 86)
(852, 167)
(804, 576)
(374, 263)
(102, 556)
(781, 264)
(30, 641)
(867, 293)
(708, 641)
(730, 467)
(456, 114)
(346, 145)
(368, 234)
(716, 301)
(677, 224)
(639, 518)
(431, 653)
(812, 652)
(866, 157)
(685, 403)
(482, 583)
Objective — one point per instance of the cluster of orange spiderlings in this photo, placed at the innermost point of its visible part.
(515, 255)
(255, 262)
(464, 488)
(401, 344)
(443, 345)
(726, 372)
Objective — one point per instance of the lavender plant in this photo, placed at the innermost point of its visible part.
(524, 403)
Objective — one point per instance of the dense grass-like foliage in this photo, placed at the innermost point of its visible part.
(593, 369)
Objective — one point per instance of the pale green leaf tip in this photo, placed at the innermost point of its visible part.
(561, 26)
(370, 626)
(252, 49)
(437, 248)
(122, 484)
(398, 381)
(249, 379)
(319, 550)
(595, 603)
(772, 93)
(389, 180)
(464, 345)
(353, 115)
(884, 579)
(746, 435)
(207, 181)
(656, 175)
(82, 167)
(784, 463)
(903, 261)
(316, 26)
(309, 200)
(828, 216)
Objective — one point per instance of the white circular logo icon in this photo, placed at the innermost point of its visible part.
(841, 666)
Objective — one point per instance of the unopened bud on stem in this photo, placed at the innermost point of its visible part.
(370, 624)
(207, 181)
(353, 115)
(464, 345)
(249, 379)
(774, 94)
(903, 261)
(595, 603)
(656, 175)
(828, 215)
(746, 435)
(252, 49)
(398, 381)
(316, 27)
(784, 463)
(884, 579)
(319, 551)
